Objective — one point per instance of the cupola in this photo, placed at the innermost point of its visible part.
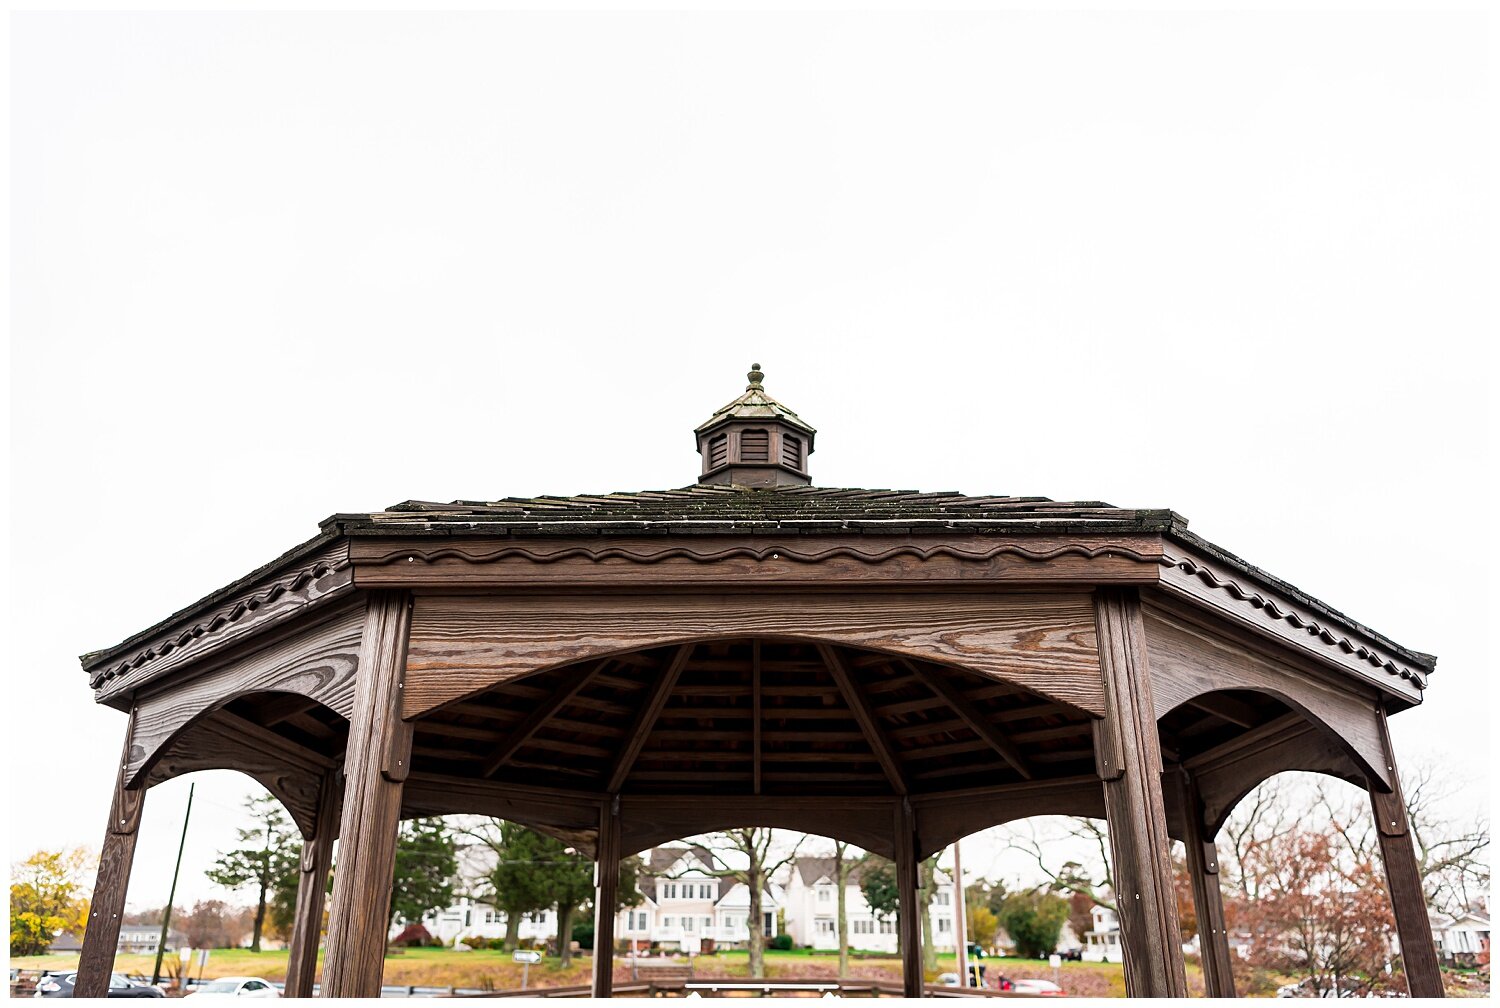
(755, 441)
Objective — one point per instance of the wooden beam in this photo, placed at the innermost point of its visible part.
(908, 912)
(755, 672)
(378, 762)
(1250, 743)
(978, 725)
(877, 741)
(1208, 899)
(606, 890)
(297, 756)
(1128, 758)
(1236, 712)
(101, 935)
(572, 683)
(312, 881)
(1404, 881)
(646, 718)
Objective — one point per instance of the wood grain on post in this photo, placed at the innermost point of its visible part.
(606, 889)
(1149, 932)
(375, 766)
(909, 912)
(1208, 898)
(1413, 927)
(312, 881)
(101, 935)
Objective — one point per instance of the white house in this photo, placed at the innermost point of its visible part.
(1462, 939)
(472, 918)
(1101, 943)
(812, 910)
(686, 905)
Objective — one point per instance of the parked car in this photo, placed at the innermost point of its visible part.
(1074, 954)
(948, 979)
(55, 985)
(1042, 988)
(235, 987)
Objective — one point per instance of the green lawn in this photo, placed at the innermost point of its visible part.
(487, 968)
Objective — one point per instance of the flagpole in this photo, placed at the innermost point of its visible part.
(166, 915)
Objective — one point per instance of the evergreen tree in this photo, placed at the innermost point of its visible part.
(515, 887)
(877, 881)
(535, 872)
(269, 861)
(426, 861)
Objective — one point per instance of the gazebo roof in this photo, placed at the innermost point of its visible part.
(718, 510)
(964, 528)
(703, 508)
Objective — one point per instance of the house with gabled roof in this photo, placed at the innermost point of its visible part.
(812, 909)
(687, 907)
(1463, 939)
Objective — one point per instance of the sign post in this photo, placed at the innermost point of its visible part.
(525, 957)
(1055, 961)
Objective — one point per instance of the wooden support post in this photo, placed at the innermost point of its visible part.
(101, 934)
(375, 765)
(1413, 927)
(1128, 753)
(606, 891)
(312, 881)
(1208, 899)
(909, 911)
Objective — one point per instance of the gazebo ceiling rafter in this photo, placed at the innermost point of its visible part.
(898, 668)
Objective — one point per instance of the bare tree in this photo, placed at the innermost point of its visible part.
(757, 846)
(1092, 881)
(1451, 852)
(842, 866)
(1262, 817)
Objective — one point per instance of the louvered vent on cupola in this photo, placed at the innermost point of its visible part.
(755, 442)
(755, 446)
(718, 450)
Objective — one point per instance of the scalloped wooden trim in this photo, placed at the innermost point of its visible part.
(1263, 609)
(238, 615)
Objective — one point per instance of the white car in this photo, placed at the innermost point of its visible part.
(250, 987)
(1041, 988)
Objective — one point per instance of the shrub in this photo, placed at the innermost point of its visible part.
(1034, 921)
(782, 942)
(583, 934)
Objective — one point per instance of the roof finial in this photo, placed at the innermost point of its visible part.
(756, 376)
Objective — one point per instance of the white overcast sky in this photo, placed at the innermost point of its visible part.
(271, 267)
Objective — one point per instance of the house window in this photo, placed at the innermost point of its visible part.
(688, 924)
(705, 892)
(942, 899)
(718, 450)
(768, 924)
(945, 924)
(825, 926)
(669, 922)
(825, 894)
(755, 446)
(669, 890)
(708, 923)
(791, 451)
(864, 927)
(887, 927)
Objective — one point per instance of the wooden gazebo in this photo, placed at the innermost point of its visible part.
(895, 669)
